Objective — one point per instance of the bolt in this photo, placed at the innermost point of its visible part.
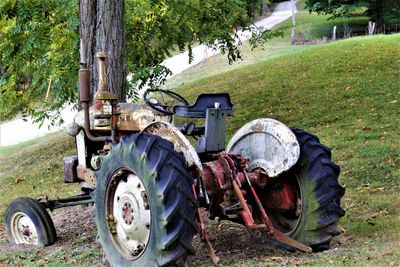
(137, 251)
(110, 218)
(147, 225)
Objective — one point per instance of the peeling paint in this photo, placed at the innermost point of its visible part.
(181, 144)
(268, 144)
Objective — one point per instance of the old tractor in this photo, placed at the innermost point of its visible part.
(148, 178)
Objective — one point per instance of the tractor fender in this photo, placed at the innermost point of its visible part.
(268, 144)
(181, 144)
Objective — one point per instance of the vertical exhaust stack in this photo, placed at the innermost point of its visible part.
(84, 96)
(84, 76)
(103, 93)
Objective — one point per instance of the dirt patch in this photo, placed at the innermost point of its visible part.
(76, 233)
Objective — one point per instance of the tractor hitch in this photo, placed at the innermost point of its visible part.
(226, 178)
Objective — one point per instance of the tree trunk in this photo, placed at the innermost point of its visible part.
(102, 29)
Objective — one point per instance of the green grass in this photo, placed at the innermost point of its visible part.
(35, 168)
(346, 92)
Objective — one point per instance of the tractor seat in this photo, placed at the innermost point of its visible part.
(203, 102)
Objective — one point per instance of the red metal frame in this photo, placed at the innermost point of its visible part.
(227, 174)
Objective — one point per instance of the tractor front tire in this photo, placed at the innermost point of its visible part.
(27, 222)
(145, 208)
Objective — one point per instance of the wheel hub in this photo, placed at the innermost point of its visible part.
(127, 206)
(23, 229)
(284, 204)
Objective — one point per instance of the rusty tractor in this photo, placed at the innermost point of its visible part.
(148, 182)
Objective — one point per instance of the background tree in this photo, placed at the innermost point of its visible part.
(38, 52)
(40, 44)
(102, 29)
(383, 12)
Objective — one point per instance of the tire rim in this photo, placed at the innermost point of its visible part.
(288, 220)
(128, 214)
(23, 229)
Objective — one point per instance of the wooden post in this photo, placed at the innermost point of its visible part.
(371, 27)
(293, 35)
(334, 33)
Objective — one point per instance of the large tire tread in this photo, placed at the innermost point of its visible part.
(173, 184)
(328, 192)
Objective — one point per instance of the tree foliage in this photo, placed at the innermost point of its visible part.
(38, 52)
(39, 49)
(380, 11)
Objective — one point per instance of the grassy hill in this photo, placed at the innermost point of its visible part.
(346, 92)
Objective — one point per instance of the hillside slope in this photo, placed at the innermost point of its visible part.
(347, 92)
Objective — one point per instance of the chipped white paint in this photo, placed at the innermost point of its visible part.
(268, 144)
(181, 143)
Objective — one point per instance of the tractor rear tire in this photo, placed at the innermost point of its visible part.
(320, 193)
(27, 222)
(313, 180)
(162, 200)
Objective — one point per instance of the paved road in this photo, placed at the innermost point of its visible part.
(16, 131)
(179, 63)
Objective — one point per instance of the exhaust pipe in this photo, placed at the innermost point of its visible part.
(84, 96)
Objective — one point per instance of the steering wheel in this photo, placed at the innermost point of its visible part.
(161, 103)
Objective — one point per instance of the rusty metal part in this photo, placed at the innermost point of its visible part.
(84, 85)
(85, 107)
(281, 196)
(114, 121)
(70, 173)
(86, 175)
(246, 213)
(274, 233)
(105, 95)
(102, 71)
(84, 89)
(181, 144)
(131, 117)
(66, 202)
(268, 144)
(134, 117)
(204, 236)
(228, 172)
